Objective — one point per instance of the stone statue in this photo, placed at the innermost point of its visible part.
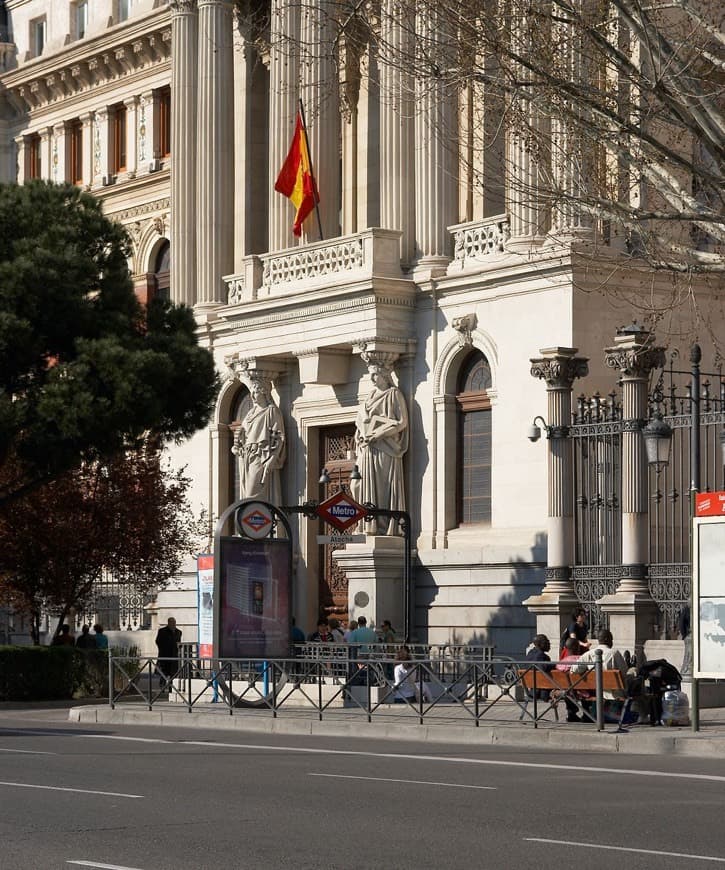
(381, 441)
(260, 445)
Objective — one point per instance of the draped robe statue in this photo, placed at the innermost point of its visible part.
(381, 441)
(260, 446)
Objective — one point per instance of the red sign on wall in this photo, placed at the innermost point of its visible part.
(710, 504)
(341, 511)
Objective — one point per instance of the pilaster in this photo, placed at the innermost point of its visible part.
(59, 166)
(397, 111)
(20, 159)
(184, 71)
(283, 72)
(87, 147)
(214, 192)
(101, 137)
(132, 107)
(46, 153)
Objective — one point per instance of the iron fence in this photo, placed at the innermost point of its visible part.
(496, 689)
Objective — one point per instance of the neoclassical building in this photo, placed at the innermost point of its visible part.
(179, 116)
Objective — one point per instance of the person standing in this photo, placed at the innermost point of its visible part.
(86, 640)
(167, 643)
(101, 639)
(64, 637)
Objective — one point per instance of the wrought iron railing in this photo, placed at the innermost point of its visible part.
(499, 689)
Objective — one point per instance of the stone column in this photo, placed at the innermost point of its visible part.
(132, 166)
(319, 94)
(87, 146)
(184, 71)
(559, 367)
(436, 155)
(631, 610)
(215, 168)
(397, 147)
(60, 163)
(20, 159)
(283, 70)
(46, 154)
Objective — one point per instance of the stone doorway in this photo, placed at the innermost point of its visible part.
(336, 455)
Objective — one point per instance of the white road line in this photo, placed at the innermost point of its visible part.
(451, 759)
(76, 790)
(408, 781)
(625, 849)
(28, 751)
(101, 866)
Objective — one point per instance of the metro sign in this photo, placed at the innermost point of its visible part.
(341, 511)
(255, 520)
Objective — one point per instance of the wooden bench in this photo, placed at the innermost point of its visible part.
(567, 684)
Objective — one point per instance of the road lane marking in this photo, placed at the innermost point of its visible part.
(625, 849)
(102, 866)
(451, 759)
(28, 751)
(76, 790)
(408, 781)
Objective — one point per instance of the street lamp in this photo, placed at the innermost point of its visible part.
(325, 476)
(657, 442)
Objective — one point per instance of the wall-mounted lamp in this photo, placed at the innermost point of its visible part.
(534, 431)
(325, 476)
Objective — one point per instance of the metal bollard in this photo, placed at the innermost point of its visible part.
(599, 688)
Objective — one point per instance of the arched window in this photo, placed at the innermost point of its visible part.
(474, 441)
(162, 280)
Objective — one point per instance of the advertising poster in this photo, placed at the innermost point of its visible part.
(709, 619)
(254, 589)
(205, 604)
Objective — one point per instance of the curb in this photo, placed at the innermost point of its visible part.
(647, 741)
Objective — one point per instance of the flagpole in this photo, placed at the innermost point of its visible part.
(312, 171)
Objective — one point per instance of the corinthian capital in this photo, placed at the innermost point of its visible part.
(182, 7)
(559, 367)
(635, 362)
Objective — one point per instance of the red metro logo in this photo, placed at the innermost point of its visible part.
(341, 511)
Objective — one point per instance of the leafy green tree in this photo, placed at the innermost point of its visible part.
(85, 370)
(128, 515)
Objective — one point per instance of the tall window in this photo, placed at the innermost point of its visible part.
(474, 441)
(162, 280)
(124, 9)
(163, 95)
(75, 156)
(37, 36)
(118, 138)
(33, 167)
(79, 19)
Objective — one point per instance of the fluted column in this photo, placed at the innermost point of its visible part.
(215, 169)
(633, 356)
(559, 367)
(397, 152)
(184, 71)
(525, 197)
(283, 70)
(319, 95)
(436, 156)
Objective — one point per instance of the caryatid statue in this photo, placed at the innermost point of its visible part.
(259, 444)
(381, 441)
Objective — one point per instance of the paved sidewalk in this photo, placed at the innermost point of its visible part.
(448, 725)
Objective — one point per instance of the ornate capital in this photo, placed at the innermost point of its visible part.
(182, 7)
(559, 370)
(464, 326)
(634, 361)
(378, 360)
(251, 370)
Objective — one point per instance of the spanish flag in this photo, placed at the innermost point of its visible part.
(295, 179)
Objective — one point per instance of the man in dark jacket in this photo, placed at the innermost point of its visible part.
(167, 643)
(539, 652)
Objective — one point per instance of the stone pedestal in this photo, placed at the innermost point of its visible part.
(553, 612)
(632, 617)
(374, 573)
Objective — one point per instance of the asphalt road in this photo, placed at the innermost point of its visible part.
(141, 798)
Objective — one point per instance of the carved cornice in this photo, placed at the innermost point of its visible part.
(378, 360)
(252, 370)
(559, 372)
(142, 210)
(635, 362)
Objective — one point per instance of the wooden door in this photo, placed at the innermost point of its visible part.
(336, 444)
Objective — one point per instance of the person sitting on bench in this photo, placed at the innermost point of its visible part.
(612, 658)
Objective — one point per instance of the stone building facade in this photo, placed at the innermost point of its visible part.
(179, 115)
